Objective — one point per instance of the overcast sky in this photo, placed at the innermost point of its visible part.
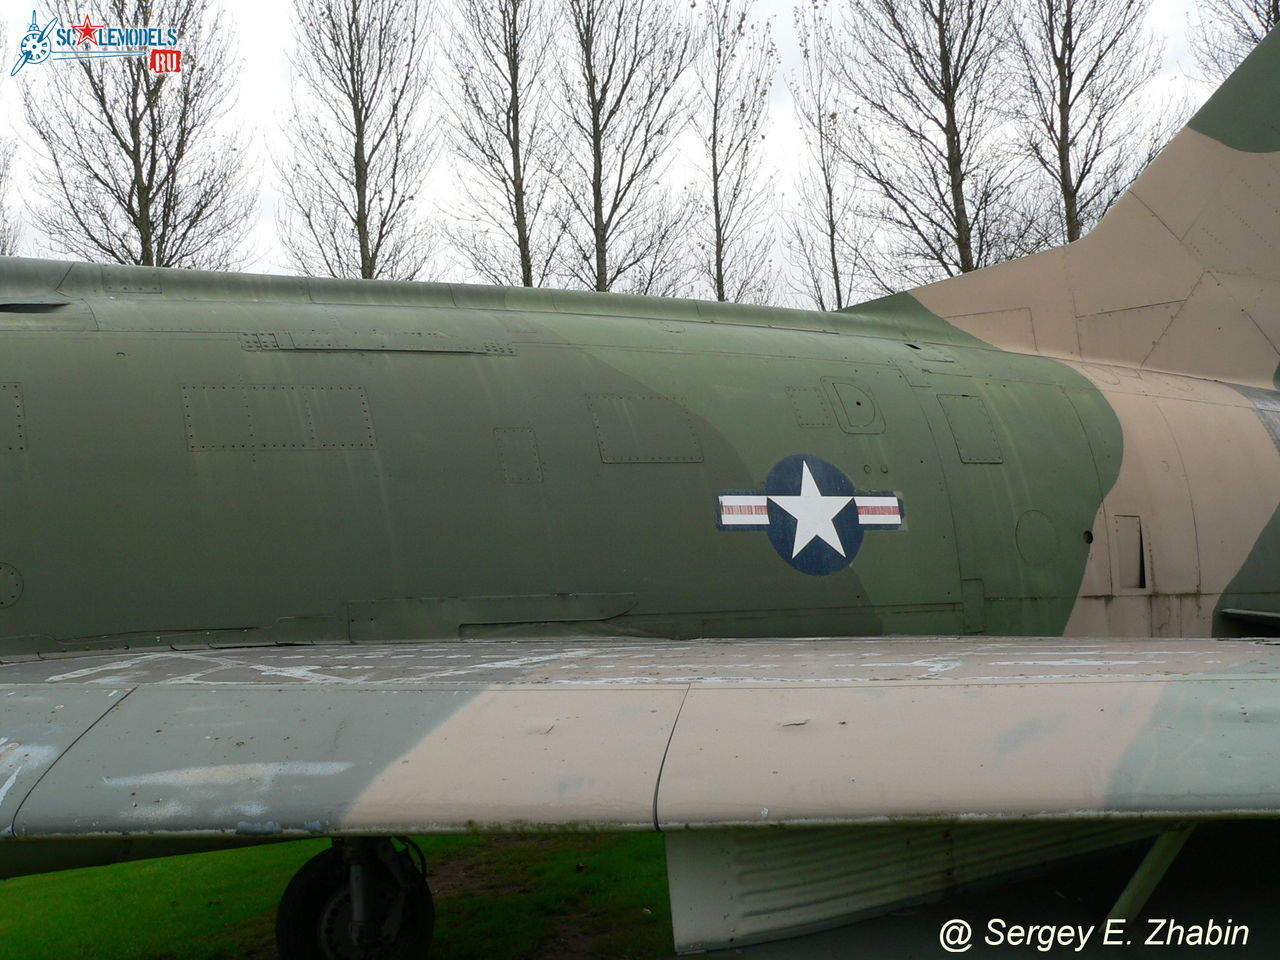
(263, 35)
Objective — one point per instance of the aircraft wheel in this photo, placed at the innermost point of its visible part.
(362, 899)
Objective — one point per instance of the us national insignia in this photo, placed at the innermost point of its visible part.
(814, 516)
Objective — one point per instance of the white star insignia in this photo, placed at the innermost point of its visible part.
(815, 514)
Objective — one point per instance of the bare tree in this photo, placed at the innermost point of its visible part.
(1226, 30)
(735, 72)
(136, 170)
(820, 223)
(498, 52)
(927, 79)
(359, 154)
(1084, 65)
(623, 105)
(8, 222)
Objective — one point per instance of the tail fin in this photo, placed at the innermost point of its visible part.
(1181, 275)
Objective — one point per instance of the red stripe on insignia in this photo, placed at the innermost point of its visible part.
(752, 510)
(877, 511)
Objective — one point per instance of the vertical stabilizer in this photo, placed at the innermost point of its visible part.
(1183, 273)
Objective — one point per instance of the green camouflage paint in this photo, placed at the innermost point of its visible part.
(1241, 113)
(1253, 589)
(1021, 524)
(273, 469)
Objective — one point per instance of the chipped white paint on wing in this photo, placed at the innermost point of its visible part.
(931, 665)
(160, 811)
(21, 756)
(517, 662)
(95, 669)
(204, 663)
(263, 774)
(33, 753)
(8, 784)
(611, 663)
(1070, 662)
(310, 673)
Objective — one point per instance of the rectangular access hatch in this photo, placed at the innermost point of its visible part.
(972, 429)
(643, 429)
(276, 417)
(1130, 554)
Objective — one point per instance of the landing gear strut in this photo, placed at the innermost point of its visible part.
(362, 899)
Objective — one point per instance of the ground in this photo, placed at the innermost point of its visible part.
(603, 897)
(582, 897)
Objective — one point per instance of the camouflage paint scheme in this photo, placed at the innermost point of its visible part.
(1180, 280)
(1083, 443)
(423, 738)
(384, 472)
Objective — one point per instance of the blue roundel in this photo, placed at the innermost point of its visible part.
(813, 520)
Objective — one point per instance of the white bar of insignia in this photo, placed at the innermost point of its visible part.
(879, 510)
(744, 511)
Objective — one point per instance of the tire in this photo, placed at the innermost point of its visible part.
(311, 922)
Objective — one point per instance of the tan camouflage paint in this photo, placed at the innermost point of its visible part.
(531, 756)
(635, 735)
(1177, 288)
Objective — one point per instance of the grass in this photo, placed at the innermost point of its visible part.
(598, 896)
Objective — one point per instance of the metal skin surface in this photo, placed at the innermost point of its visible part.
(444, 737)
(284, 557)
(571, 464)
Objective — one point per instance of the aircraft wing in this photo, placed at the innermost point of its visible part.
(431, 737)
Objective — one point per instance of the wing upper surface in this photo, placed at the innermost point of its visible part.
(446, 736)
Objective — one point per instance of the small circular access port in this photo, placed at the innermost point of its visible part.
(1036, 538)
